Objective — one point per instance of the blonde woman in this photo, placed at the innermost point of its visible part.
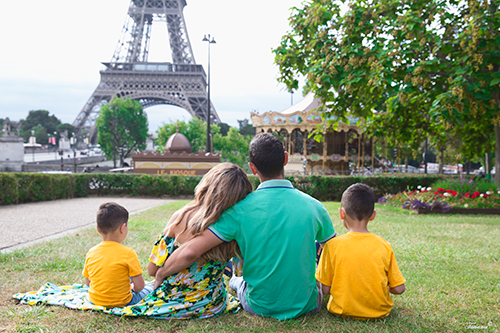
(198, 291)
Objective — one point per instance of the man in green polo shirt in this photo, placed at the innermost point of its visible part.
(276, 227)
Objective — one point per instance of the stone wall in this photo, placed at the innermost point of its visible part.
(11, 153)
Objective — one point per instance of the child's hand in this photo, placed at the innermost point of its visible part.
(397, 290)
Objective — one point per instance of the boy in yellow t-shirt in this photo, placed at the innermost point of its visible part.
(359, 269)
(109, 266)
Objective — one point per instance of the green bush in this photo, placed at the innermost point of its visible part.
(330, 188)
(32, 187)
(9, 192)
(159, 185)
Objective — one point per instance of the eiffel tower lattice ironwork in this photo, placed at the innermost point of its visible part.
(129, 74)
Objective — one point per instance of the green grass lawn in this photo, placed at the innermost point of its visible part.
(451, 263)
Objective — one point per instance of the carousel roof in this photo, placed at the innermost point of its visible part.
(308, 103)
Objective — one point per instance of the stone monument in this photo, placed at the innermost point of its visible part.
(11, 149)
(64, 143)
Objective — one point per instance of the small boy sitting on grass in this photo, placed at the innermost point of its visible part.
(109, 266)
(359, 269)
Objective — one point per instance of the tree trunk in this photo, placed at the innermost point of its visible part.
(441, 163)
(497, 155)
(425, 156)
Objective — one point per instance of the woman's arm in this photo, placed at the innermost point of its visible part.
(186, 255)
(152, 269)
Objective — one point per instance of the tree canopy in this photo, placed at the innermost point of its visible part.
(122, 127)
(42, 123)
(413, 69)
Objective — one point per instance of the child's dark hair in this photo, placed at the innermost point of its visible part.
(267, 154)
(358, 201)
(110, 217)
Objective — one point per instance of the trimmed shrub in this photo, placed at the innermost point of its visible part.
(159, 185)
(9, 192)
(32, 187)
(330, 188)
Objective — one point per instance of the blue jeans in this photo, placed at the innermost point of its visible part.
(137, 297)
(240, 286)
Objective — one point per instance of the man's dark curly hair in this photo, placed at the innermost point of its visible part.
(268, 155)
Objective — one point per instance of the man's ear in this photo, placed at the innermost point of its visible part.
(98, 231)
(286, 158)
(252, 167)
(122, 227)
(373, 215)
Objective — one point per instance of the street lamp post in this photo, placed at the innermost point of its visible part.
(205, 39)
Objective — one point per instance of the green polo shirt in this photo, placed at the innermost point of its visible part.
(275, 227)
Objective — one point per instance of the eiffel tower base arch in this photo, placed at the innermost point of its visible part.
(183, 86)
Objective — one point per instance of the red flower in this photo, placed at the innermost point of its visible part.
(441, 195)
(410, 193)
(453, 193)
(467, 195)
(437, 192)
(485, 195)
(449, 191)
(476, 194)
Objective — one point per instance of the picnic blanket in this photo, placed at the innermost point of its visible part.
(75, 296)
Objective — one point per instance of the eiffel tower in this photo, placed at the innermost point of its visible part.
(129, 74)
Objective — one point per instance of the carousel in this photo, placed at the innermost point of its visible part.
(344, 150)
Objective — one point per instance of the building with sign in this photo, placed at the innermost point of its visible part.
(342, 150)
(177, 159)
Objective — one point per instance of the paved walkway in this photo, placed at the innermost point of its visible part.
(26, 224)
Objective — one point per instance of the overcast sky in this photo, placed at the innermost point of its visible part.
(52, 52)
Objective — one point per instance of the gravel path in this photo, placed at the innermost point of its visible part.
(26, 224)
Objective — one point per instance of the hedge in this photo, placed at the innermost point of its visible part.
(32, 187)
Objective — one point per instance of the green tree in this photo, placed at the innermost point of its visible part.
(66, 127)
(430, 68)
(246, 128)
(472, 101)
(224, 128)
(233, 146)
(42, 118)
(122, 127)
(40, 134)
(195, 131)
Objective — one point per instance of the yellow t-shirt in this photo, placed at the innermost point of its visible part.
(109, 266)
(359, 267)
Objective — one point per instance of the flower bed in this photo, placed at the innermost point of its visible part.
(471, 198)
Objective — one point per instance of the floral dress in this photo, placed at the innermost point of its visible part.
(195, 292)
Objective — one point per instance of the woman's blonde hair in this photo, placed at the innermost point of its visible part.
(223, 186)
